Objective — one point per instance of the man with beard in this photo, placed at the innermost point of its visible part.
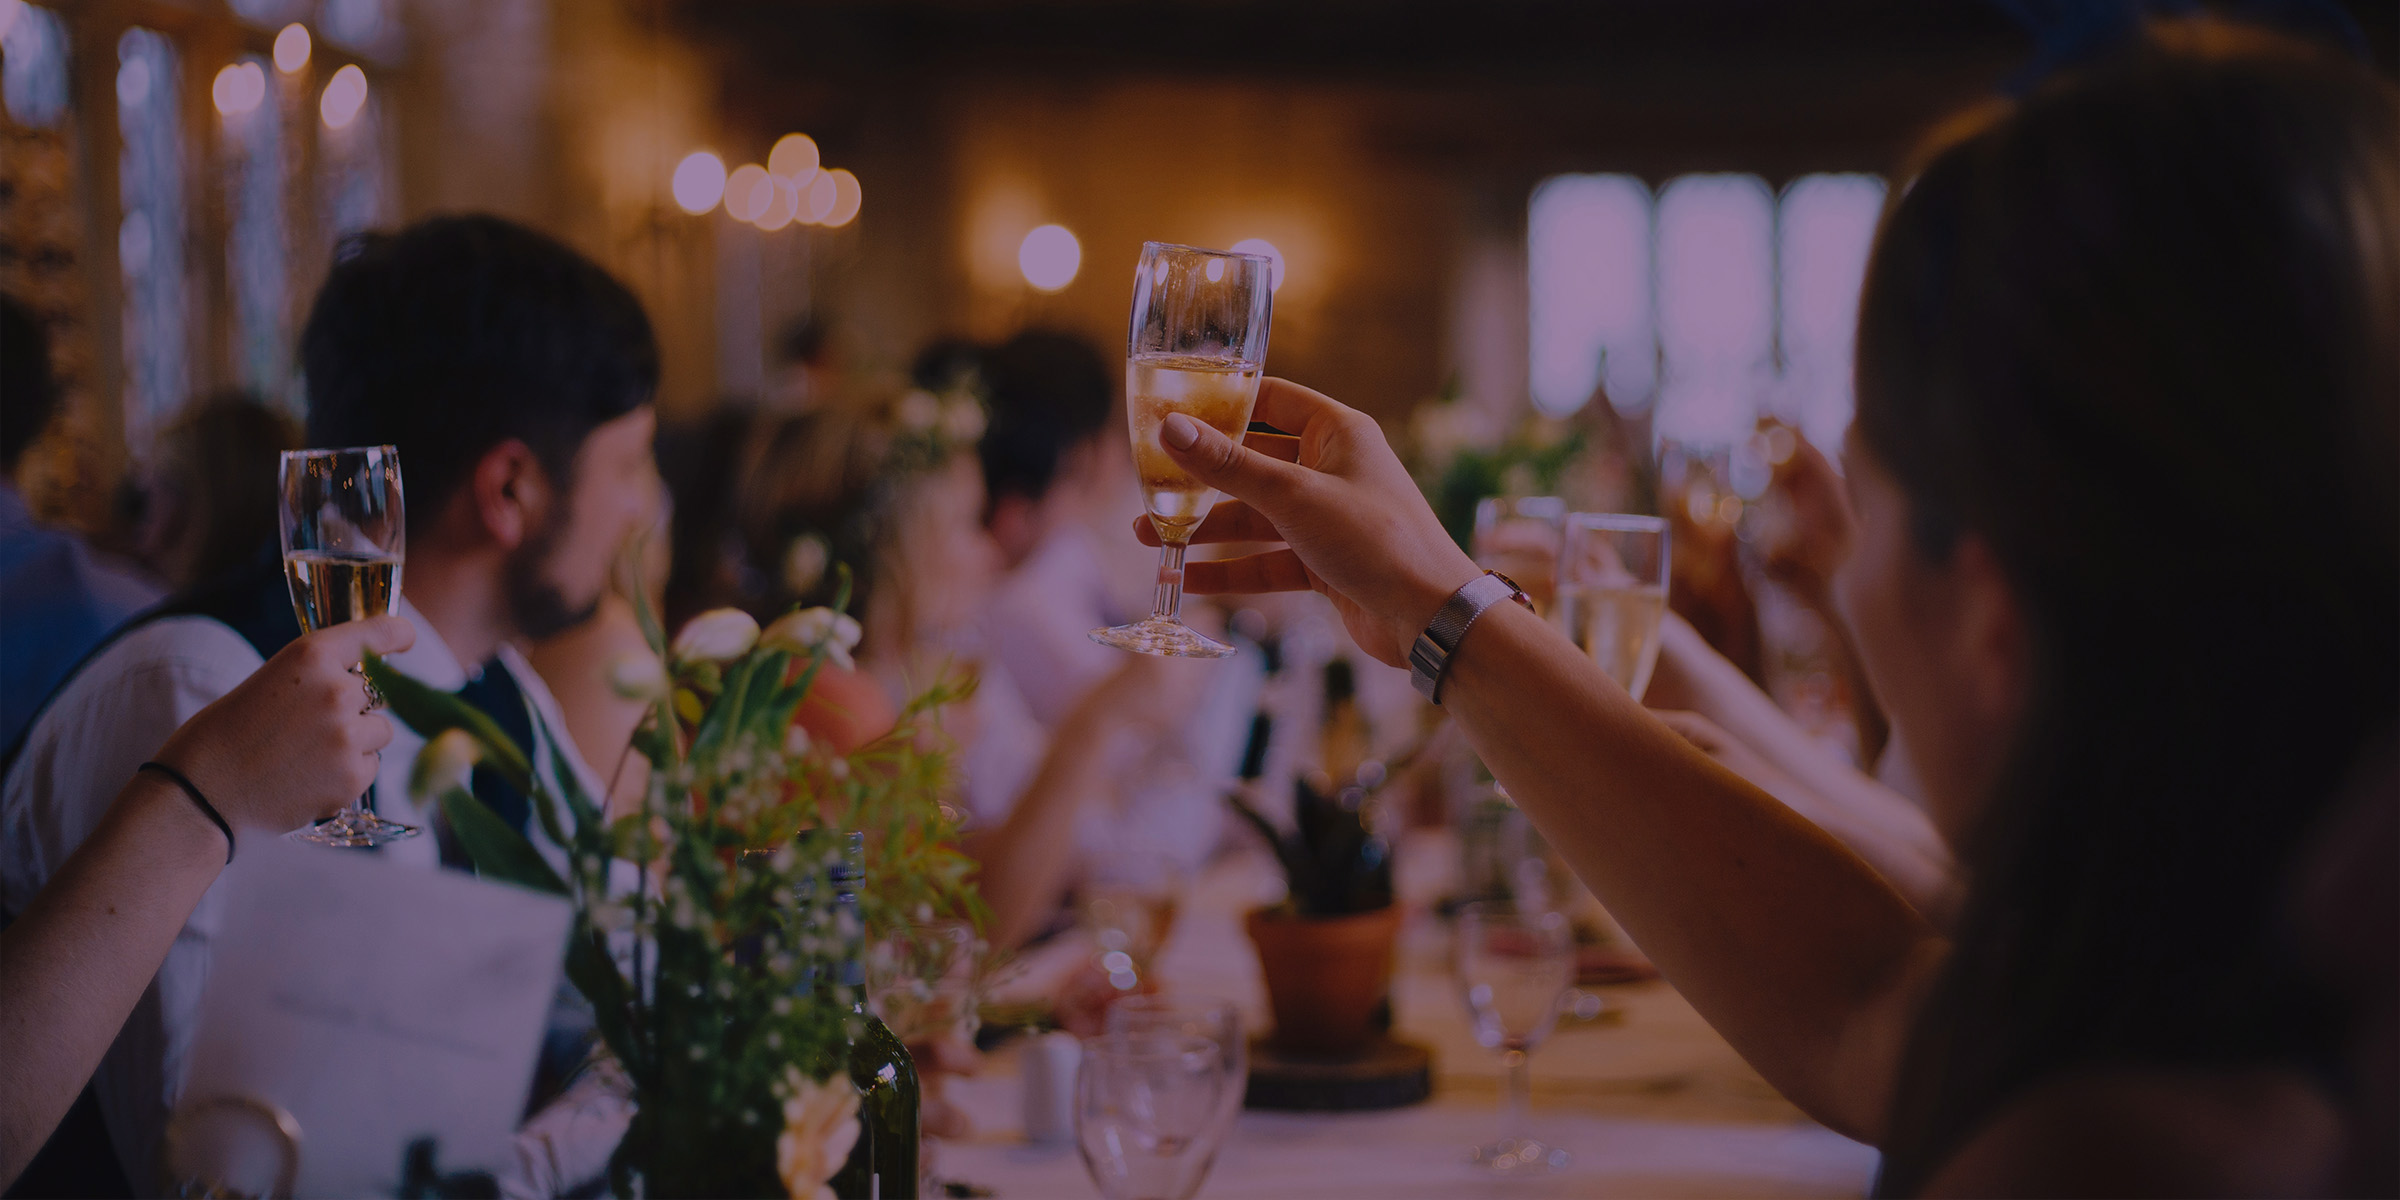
(515, 377)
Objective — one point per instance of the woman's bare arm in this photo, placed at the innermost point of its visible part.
(1793, 948)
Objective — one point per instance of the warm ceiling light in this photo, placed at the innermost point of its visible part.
(291, 48)
(846, 198)
(239, 88)
(1274, 257)
(1049, 257)
(794, 158)
(345, 94)
(699, 182)
(748, 192)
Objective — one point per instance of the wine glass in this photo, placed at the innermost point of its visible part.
(1127, 902)
(1612, 592)
(344, 535)
(1514, 968)
(1146, 1113)
(1197, 343)
(1519, 536)
(1207, 1017)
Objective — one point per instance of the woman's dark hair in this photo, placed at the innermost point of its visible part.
(1049, 392)
(2137, 334)
(461, 332)
(28, 391)
(218, 465)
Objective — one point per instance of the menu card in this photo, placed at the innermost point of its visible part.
(377, 1004)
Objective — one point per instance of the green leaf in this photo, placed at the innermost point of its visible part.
(724, 716)
(841, 587)
(497, 851)
(758, 697)
(430, 712)
(593, 971)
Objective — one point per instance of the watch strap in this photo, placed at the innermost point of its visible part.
(1429, 657)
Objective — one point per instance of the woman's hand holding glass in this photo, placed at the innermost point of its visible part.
(1351, 522)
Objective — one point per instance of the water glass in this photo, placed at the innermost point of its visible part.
(1147, 1109)
(1207, 1017)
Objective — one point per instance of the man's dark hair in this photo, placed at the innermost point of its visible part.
(804, 341)
(1048, 392)
(28, 393)
(461, 332)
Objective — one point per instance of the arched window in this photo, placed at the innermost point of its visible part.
(1590, 279)
(1720, 302)
(150, 234)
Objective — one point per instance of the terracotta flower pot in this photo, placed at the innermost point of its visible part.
(1325, 977)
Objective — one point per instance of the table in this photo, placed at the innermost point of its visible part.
(1648, 1098)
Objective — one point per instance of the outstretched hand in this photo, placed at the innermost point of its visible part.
(1349, 521)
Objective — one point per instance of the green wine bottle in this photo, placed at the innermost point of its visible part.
(883, 1163)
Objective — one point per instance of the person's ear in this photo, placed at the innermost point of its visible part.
(510, 493)
(1992, 650)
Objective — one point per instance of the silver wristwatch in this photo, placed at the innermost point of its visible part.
(1429, 658)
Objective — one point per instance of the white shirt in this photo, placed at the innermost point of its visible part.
(1164, 795)
(112, 716)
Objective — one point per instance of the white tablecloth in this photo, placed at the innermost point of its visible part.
(1648, 1099)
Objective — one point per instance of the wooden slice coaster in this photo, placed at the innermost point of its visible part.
(1391, 1074)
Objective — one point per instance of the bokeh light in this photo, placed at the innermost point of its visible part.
(239, 88)
(794, 158)
(817, 199)
(1049, 257)
(1274, 256)
(291, 48)
(699, 181)
(748, 192)
(781, 208)
(345, 94)
(846, 198)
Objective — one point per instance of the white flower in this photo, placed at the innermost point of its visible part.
(718, 635)
(637, 675)
(610, 917)
(796, 741)
(446, 763)
(820, 1124)
(962, 420)
(804, 563)
(815, 631)
(919, 411)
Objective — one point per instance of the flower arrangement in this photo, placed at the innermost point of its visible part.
(717, 936)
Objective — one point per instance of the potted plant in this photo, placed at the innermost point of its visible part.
(719, 924)
(1326, 950)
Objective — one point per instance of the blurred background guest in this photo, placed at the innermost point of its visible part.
(209, 502)
(58, 596)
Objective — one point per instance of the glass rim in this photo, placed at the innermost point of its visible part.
(1161, 1002)
(1121, 1044)
(1508, 910)
(329, 451)
(1260, 259)
(1617, 522)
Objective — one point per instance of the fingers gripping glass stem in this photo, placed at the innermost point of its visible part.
(1197, 343)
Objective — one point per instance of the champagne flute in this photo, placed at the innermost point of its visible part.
(344, 535)
(1514, 967)
(1612, 592)
(1520, 536)
(1197, 343)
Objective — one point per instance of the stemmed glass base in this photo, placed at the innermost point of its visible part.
(1163, 636)
(355, 828)
(1519, 1156)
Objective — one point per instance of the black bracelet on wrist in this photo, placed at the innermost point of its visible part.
(192, 790)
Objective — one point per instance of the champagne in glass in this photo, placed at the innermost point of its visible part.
(344, 535)
(1197, 344)
(1612, 592)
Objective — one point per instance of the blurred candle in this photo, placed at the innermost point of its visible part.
(239, 88)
